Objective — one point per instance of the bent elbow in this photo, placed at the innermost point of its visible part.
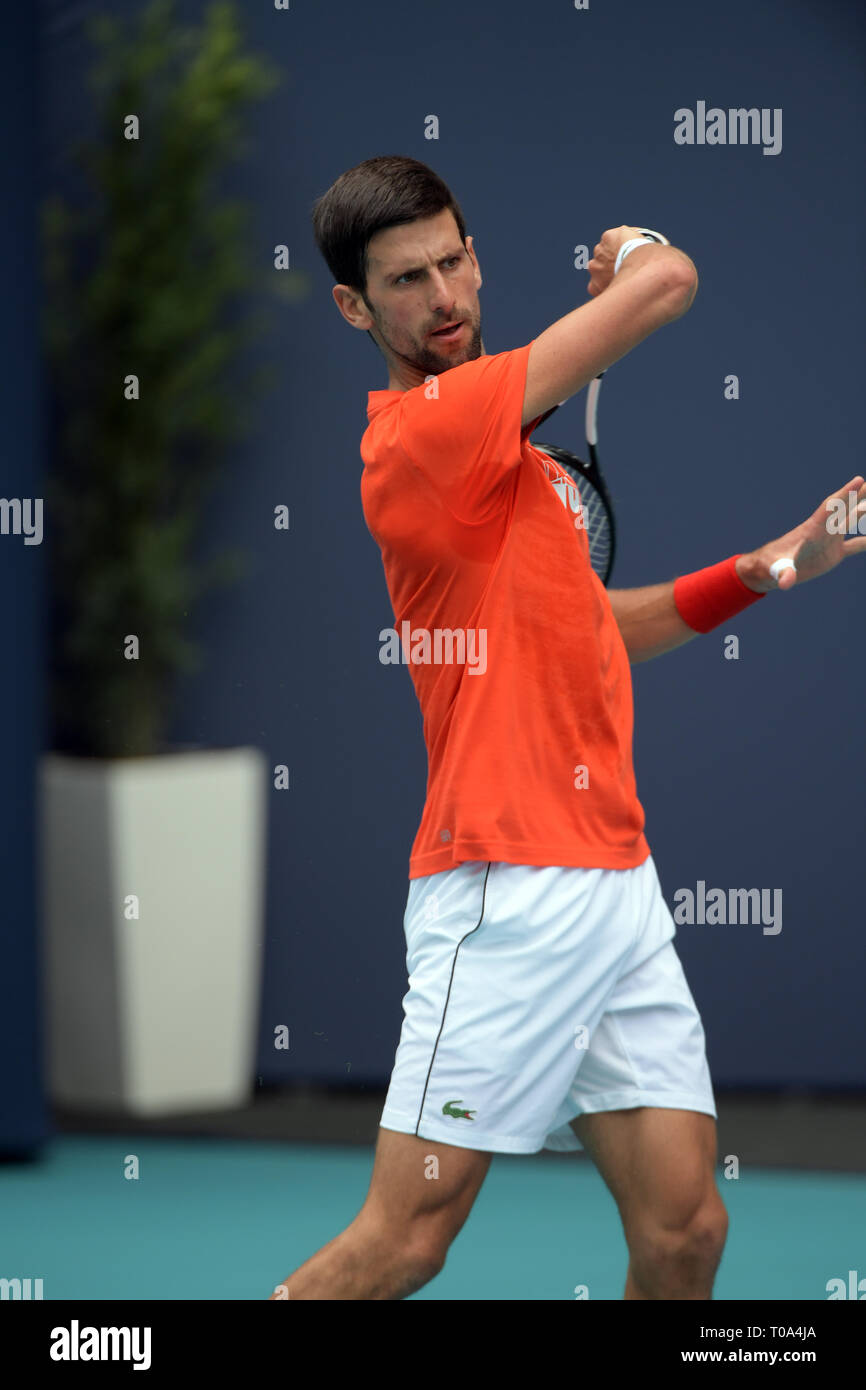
(683, 291)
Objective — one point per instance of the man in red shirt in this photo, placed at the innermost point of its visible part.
(547, 1006)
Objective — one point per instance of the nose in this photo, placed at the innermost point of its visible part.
(442, 296)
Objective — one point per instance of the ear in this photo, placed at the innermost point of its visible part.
(352, 307)
(471, 250)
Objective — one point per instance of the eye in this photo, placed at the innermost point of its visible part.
(409, 276)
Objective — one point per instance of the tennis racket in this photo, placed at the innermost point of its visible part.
(595, 499)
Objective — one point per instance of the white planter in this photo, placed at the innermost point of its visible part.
(157, 1013)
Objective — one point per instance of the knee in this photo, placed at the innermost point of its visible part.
(692, 1244)
(427, 1261)
(428, 1245)
(418, 1247)
(705, 1234)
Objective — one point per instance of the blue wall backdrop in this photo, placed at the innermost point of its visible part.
(554, 124)
(23, 1119)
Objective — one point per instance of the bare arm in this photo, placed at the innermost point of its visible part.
(655, 285)
(648, 621)
(648, 618)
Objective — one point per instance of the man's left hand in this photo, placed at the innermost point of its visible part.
(835, 530)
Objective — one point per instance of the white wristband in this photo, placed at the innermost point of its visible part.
(645, 237)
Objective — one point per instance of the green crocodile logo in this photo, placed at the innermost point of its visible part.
(449, 1109)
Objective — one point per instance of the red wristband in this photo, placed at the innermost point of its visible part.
(708, 597)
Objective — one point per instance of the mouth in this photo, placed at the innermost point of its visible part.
(450, 333)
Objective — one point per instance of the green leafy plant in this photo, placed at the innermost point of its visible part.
(145, 282)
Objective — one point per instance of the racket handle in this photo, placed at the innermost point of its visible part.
(592, 410)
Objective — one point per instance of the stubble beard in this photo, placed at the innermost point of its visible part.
(430, 362)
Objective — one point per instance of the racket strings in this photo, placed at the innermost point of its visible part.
(597, 513)
(597, 526)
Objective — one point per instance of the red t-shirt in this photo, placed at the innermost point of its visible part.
(517, 661)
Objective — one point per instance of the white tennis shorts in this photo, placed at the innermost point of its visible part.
(536, 995)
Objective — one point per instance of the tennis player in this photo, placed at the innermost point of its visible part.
(547, 1006)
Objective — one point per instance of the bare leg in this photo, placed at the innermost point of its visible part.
(420, 1194)
(660, 1168)
(359, 1263)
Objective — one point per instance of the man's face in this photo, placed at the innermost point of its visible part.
(420, 278)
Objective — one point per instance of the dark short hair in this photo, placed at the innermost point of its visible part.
(386, 191)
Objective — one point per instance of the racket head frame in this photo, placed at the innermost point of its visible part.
(589, 473)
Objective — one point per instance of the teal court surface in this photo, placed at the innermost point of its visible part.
(225, 1219)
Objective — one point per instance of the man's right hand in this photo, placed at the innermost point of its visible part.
(604, 257)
